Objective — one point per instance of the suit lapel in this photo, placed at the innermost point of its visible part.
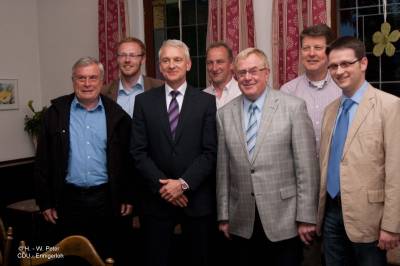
(188, 107)
(330, 124)
(270, 106)
(367, 103)
(161, 106)
(237, 115)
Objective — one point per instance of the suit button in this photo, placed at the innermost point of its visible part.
(252, 171)
(252, 193)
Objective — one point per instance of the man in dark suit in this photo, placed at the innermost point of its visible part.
(131, 55)
(174, 149)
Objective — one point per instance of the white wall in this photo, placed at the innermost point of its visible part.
(67, 31)
(263, 28)
(40, 40)
(19, 57)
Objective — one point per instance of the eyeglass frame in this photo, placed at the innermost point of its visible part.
(134, 56)
(342, 65)
(83, 79)
(252, 71)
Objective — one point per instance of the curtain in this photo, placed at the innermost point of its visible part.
(231, 21)
(290, 17)
(112, 29)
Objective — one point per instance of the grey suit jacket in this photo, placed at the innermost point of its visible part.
(281, 179)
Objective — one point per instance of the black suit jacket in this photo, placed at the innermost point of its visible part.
(191, 155)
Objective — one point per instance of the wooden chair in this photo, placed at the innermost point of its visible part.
(76, 245)
(6, 238)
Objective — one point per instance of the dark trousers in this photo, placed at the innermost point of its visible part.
(259, 250)
(196, 239)
(88, 212)
(339, 250)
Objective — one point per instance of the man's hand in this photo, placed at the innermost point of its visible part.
(50, 215)
(126, 209)
(388, 240)
(171, 189)
(306, 232)
(224, 228)
(181, 201)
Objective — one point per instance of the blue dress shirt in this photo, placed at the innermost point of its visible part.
(87, 162)
(259, 103)
(126, 98)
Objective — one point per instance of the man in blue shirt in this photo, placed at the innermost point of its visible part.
(82, 166)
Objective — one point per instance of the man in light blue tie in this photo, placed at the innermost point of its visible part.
(267, 174)
(359, 206)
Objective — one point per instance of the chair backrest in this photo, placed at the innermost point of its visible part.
(75, 245)
(6, 238)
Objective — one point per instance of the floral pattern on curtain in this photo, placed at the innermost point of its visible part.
(231, 21)
(112, 29)
(290, 18)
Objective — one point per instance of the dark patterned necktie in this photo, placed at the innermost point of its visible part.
(173, 112)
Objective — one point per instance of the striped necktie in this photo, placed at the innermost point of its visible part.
(173, 112)
(251, 132)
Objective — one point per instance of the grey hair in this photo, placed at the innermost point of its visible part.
(87, 61)
(176, 44)
(248, 51)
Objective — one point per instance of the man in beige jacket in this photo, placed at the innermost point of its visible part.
(359, 206)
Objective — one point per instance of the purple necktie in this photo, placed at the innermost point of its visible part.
(173, 112)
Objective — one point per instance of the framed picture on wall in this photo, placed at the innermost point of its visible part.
(8, 94)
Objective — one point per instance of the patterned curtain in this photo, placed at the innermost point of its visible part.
(231, 21)
(290, 17)
(112, 29)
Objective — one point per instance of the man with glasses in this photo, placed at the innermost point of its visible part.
(267, 175)
(174, 145)
(82, 163)
(359, 205)
(219, 65)
(315, 86)
(131, 55)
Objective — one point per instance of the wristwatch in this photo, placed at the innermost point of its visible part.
(184, 185)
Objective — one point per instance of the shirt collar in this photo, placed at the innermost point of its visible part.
(325, 81)
(357, 97)
(76, 104)
(139, 84)
(259, 102)
(181, 89)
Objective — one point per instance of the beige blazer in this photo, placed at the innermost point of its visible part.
(370, 167)
(111, 90)
(282, 177)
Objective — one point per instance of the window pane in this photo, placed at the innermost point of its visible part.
(202, 39)
(192, 75)
(202, 73)
(189, 37)
(202, 11)
(348, 23)
(189, 9)
(172, 15)
(391, 71)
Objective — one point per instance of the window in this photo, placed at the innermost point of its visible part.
(180, 19)
(361, 18)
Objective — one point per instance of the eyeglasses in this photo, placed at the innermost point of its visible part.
(343, 65)
(83, 79)
(252, 71)
(134, 56)
(316, 48)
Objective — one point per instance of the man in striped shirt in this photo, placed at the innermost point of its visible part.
(315, 86)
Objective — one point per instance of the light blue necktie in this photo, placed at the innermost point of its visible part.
(336, 149)
(251, 132)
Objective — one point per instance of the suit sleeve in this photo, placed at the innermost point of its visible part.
(139, 149)
(306, 165)
(222, 174)
(204, 165)
(42, 177)
(391, 124)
